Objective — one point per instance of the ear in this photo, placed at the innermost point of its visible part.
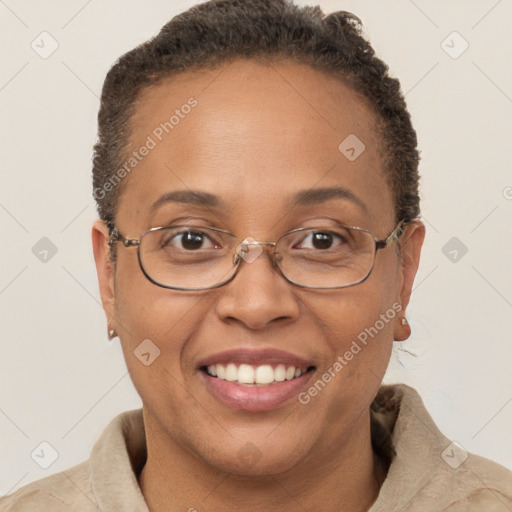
(410, 248)
(104, 268)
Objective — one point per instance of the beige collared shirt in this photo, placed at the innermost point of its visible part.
(426, 474)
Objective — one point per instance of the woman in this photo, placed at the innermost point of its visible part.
(256, 176)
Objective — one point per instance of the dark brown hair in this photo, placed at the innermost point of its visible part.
(219, 31)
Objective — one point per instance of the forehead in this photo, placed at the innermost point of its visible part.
(255, 132)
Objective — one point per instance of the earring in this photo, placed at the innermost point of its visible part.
(111, 332)
(403, 332)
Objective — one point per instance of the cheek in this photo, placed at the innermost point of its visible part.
(359, 344)
(147, 310)
(347, 314)
(154, 350)
(358, 326)
(154, 326)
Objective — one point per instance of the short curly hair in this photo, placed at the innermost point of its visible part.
(219, 31)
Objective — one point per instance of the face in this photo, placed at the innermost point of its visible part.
(256, 138)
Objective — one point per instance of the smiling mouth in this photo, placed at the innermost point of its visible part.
(249, 375)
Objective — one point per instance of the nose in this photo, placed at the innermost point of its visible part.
(258, 294)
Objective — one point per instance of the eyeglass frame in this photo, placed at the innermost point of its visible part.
(116, 236)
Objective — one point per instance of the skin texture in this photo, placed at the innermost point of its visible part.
(259, 134)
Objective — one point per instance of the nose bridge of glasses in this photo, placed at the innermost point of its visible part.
(250, 241)
(250, 249)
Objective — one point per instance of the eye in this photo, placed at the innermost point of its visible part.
(322, 240)
(189, 240)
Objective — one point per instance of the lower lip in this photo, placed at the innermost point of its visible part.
(255, 398)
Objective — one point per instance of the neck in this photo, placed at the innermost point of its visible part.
(347, 479)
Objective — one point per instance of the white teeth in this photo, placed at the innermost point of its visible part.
(257, 375)
(290, 373)
(246, 374)
(221, 373)
(231, 372)
(264, 374)
(280, 373)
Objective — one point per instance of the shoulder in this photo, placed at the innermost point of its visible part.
(115, 460)
(64, 491)
(478, 484)
(426, 467)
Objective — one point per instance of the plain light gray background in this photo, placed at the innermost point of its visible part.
(62, 382)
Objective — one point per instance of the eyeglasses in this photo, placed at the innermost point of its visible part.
(200, 258)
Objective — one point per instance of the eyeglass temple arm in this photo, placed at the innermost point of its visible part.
(116, 236)
(395, 234)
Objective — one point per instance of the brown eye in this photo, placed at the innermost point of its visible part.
(192, 241)
(321, 240)
(188, 240)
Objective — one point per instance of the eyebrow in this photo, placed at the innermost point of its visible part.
(195, 197)
(321, 195)
(302, 198)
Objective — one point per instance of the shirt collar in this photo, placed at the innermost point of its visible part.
(401, 430)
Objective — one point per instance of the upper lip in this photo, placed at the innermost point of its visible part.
(256, 357)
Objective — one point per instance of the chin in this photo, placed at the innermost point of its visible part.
(263, 466)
